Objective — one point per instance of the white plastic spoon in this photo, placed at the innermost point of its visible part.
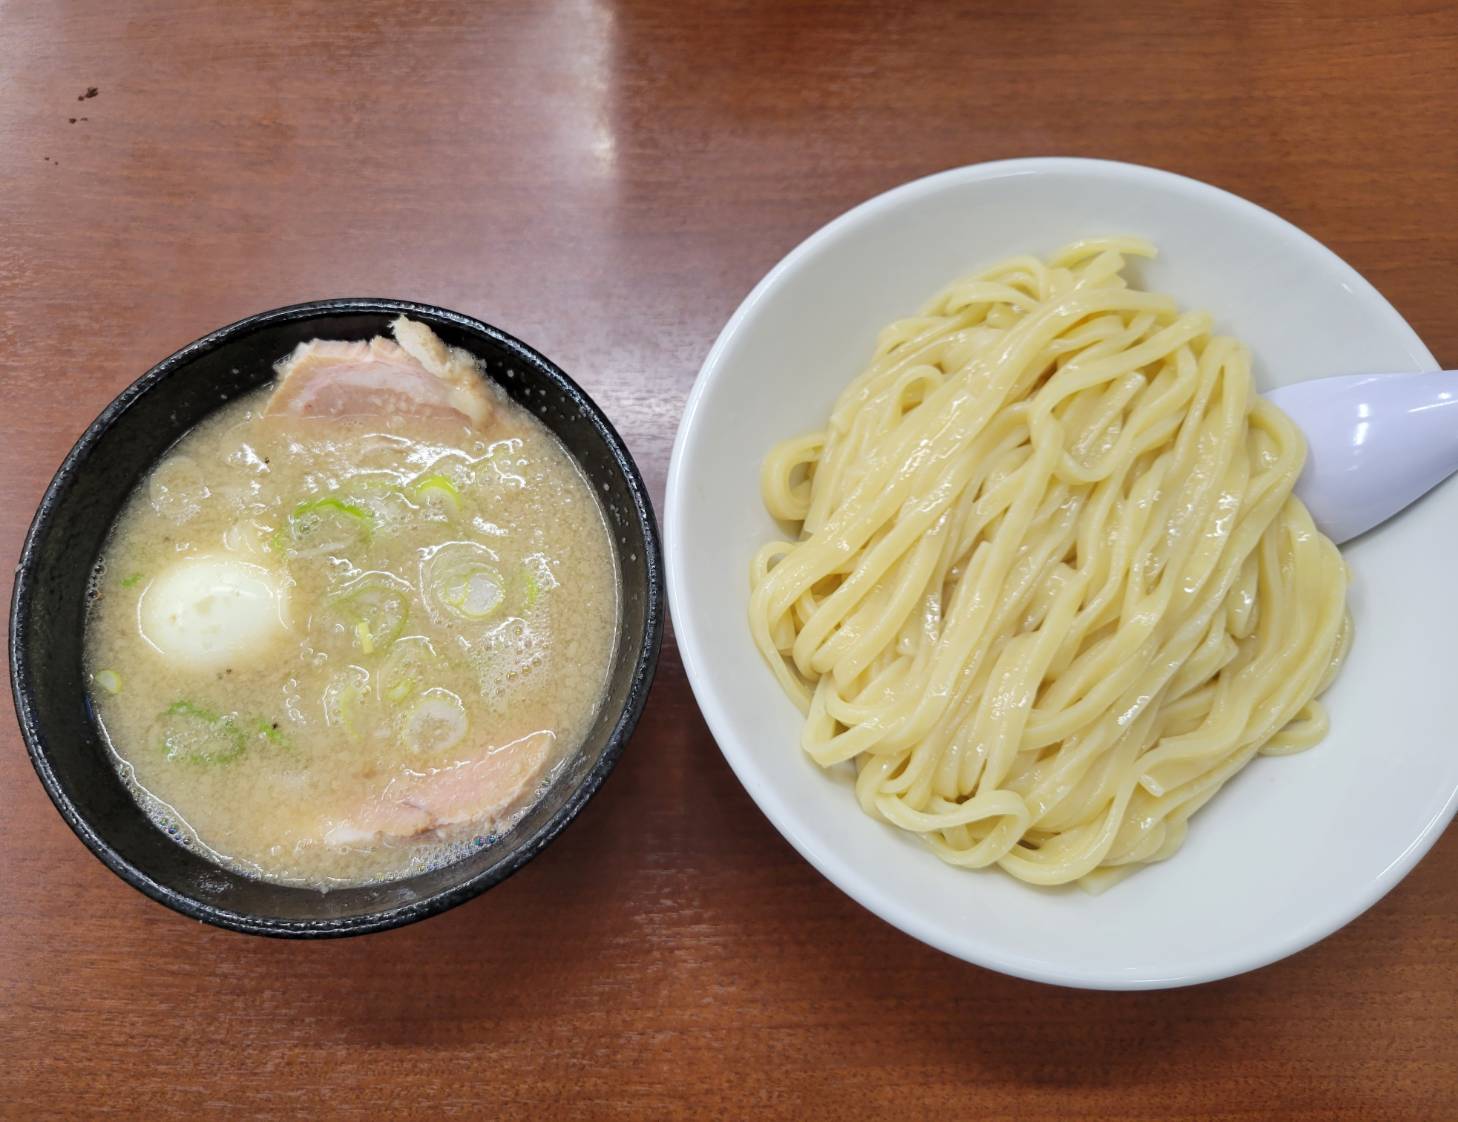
(1375, 444)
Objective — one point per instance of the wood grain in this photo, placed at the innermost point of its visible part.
(606, 180)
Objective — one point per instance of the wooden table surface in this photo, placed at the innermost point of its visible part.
(606, 180)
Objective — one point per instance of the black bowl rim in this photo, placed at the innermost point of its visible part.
(646, 658)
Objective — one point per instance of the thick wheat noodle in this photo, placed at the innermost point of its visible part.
(1050, 588)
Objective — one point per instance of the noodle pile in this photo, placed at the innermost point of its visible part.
(1050, 588)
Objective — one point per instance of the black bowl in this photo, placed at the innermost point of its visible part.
(48, 611)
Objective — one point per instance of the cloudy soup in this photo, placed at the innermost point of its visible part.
(352, 625)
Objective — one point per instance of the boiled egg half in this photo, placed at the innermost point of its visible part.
(212, 611)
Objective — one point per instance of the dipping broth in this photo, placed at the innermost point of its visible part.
(353, 624)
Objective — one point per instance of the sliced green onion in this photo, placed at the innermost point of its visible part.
(536, 578)
(344, 699)
(440, 487)
(131, 580)
(373, 610)
(382, 496)
(197, 735)
(188, 709)
(270, 732)
(460, 580)
(359, 514)
(109, 680)
(472, 590)
(326, 524)
(436, 723)
(405, 668)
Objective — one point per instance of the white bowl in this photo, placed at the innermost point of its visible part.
(1294, 847)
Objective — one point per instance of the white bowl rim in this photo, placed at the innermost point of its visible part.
(848, 878)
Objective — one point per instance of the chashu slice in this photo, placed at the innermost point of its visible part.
(476, 790)
(415, 375)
